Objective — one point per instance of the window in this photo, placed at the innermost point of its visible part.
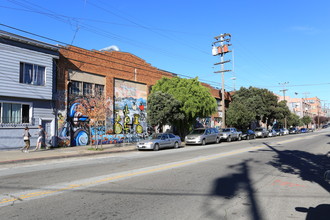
(75, 88)
(88, 88)
(14, 113)
(79, 88)
(32, 74)
(99, 90)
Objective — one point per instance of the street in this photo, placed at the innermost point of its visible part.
(269, 178)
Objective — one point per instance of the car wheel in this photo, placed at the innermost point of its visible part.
(203, 142)
(156, 147)
(176, 145)
(229, 139)
(239, 138)
(217, 141)
(248, 137)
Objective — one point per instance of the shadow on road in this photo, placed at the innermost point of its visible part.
(308, 166)
(231, 185)
(320, 212)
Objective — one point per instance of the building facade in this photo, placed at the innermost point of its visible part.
(122, 82)
(27, 85)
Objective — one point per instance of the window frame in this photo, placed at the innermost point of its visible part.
(35, 70)
(21, 120)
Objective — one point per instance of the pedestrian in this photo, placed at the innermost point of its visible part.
(41, 138)
(26, 138)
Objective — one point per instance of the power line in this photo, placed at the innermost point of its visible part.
(105, 55)
(107, 34)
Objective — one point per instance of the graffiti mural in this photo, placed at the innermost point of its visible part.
(130, 108)
(74, 128)
(88, 120)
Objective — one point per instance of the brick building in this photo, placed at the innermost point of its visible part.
(122, 78)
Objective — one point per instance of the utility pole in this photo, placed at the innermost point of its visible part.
(318, 111)
(220, 47)
(284, 90)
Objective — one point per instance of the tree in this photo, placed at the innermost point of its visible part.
(320, 120)
(96, 108)
(239, 116)
(163, 109)
(263, 103)
(293, 120)
(281, 111)
(306, 120)
(195, 99)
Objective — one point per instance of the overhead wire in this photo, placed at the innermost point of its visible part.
(69, 20)
(140, 66)
(102, 32)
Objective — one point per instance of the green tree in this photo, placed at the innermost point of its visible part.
(306, 120)
(281, 111)
(163, 109)
(263, 103)
(196, 100)
(239, 116)
(293, 120)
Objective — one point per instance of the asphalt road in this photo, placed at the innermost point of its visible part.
(272, 178)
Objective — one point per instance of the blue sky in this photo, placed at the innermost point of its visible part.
(274, 41)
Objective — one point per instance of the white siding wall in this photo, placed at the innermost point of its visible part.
(10, 58)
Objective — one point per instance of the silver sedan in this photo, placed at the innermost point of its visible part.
(158, 141)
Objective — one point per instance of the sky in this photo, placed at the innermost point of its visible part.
(276, 44)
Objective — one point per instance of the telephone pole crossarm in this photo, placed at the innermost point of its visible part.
(222, 71)
(226, 61)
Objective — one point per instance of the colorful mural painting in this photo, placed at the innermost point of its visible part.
(130, 108)
(80, 124)
(74, 128)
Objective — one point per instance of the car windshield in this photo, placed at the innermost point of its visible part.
(198, 131)
(155, 136)
(226, 130)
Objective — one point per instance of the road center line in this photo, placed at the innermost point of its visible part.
(8, 199)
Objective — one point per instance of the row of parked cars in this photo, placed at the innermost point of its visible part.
(204, 136)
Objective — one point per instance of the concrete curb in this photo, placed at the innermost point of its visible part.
(67, 156)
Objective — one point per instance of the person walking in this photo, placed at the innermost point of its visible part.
(26, 138)
(41, 138)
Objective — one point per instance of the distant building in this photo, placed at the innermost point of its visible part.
(316, 107)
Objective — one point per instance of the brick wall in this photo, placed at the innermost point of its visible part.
(113, 65)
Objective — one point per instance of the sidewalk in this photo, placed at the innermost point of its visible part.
(16, 156)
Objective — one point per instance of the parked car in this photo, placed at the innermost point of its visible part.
(158, 141)
(285, 131)
(310, 129)
(229, 134)
(303, 130)
(203, 136)
(272, 133)
(248, 134)
(294, 131)
(279, 132)
(325, 126)
(261, 132)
